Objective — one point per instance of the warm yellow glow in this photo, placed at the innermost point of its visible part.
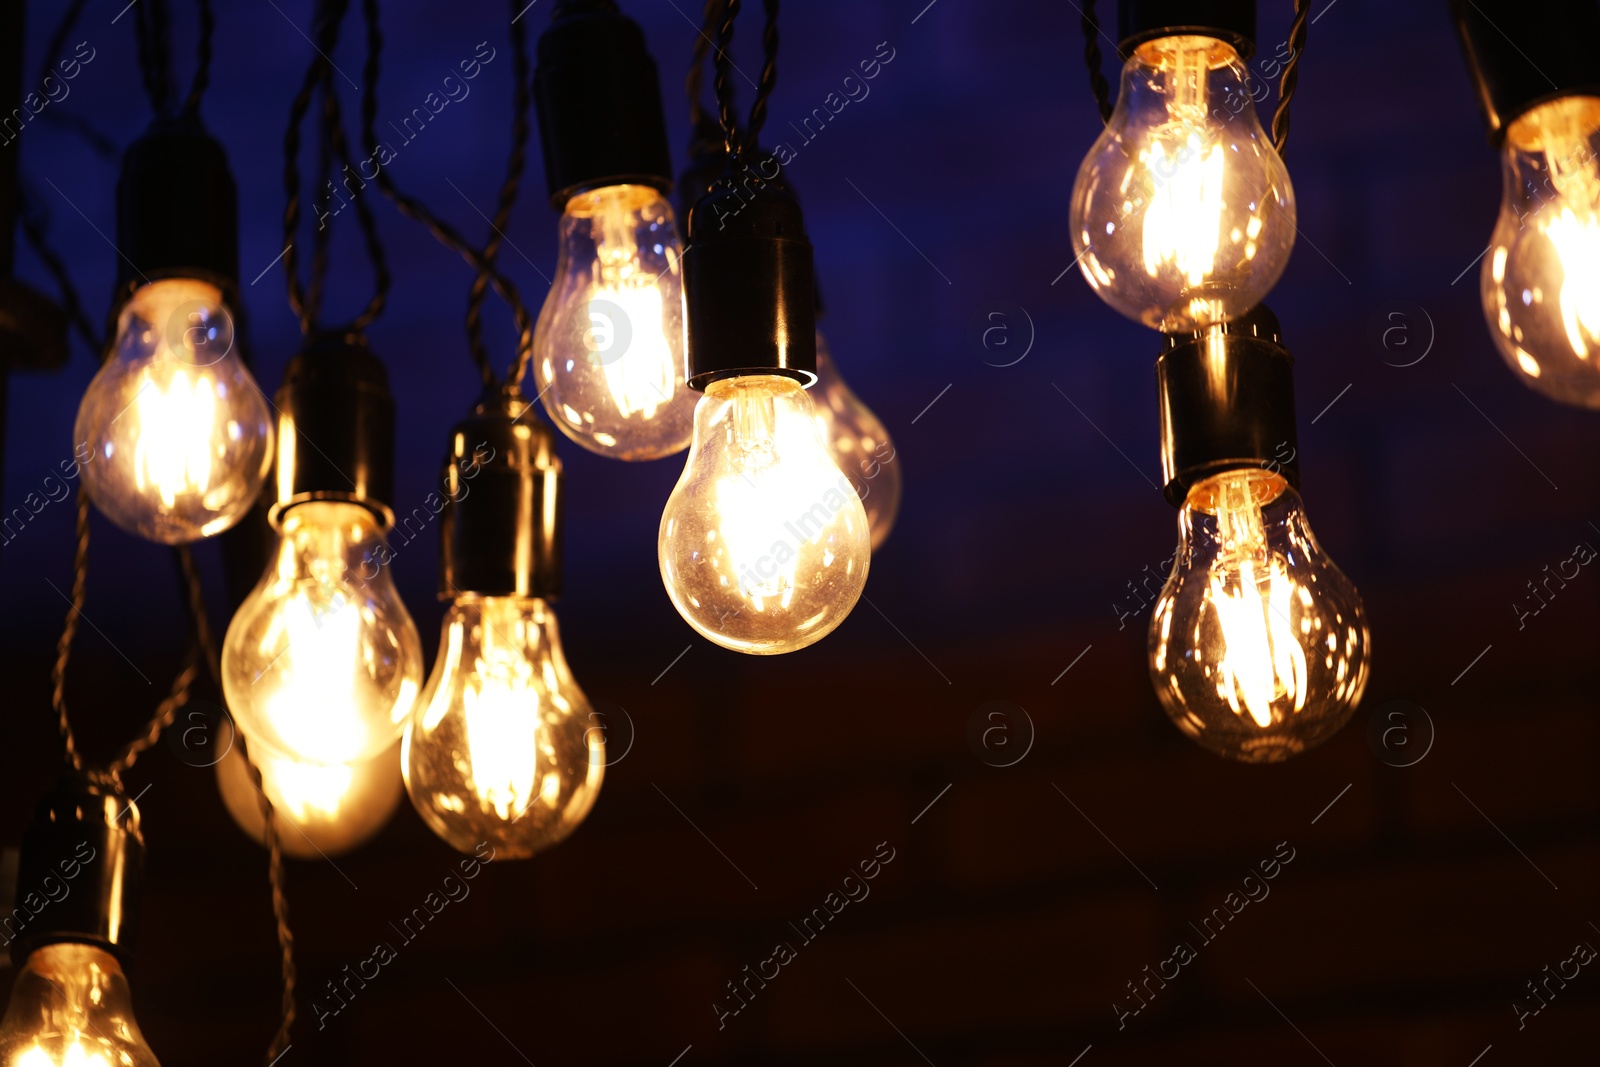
(1182, 213)
(70, 1007)
(1261, 661)
(501, 748)
(608, 352)
(319, 810)
(1541, 280)
(322, 664)
(764, 544)
(859, 443)
(178, 432)
(309, 789)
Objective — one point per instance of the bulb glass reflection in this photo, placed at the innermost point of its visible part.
(71, 1007)
(859, 444)
(1541, 276)
(503, 747)
(318, 809)
(608, 352)
(1259, 644)
(178, 434)
(322, 662)
(1182, 214)
(764, 545)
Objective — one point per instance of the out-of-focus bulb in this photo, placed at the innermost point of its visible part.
(1182, 214)
(71, 1007)
(764, 544)
(859, 443)
(501, 747)
(178, 433)
(1258, 644)
(1541, 275)
(318, 810)
(608, 353)
(322, 663)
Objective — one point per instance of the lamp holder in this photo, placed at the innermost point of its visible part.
(335, 427)
(84, 844)
(1233, 21)
(1227, 403)
(1521, 55)
(177, 210)
(500, 531)
(599, 103)
(749, 282)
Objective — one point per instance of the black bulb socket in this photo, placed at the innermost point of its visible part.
(1227, 403)
(177, 210)
(1521, 55)
(500, 531)
(598, 98)
(1233, 21)
(79, 875)
(749, 282)
(335, 428)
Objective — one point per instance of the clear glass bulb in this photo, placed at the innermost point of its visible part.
(322, 662)
(608, 353)
(764, 544)
(859, 443)
(318, 810)
(1182, 213)
(502, 747)
(1541, 275)
(1258, 644)
(71, 1007)
(178, 432)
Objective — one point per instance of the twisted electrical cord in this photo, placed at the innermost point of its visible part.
(769, 75)
(1291, 75)
(695, 79)
(722, 84)
(417, 211)
(515, 164)
(155, 58)
(1092, 59)
(202, 70)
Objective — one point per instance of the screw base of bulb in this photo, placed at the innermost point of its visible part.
(1522, 55)
(1233, 21)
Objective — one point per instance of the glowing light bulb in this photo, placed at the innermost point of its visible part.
(1182, 213)
(318, 810)
(1258, 644)
(1541, 275)
(860, 445)
(322, 663)
(608, 351)
(502, 747)
(71, 1007)
(179, 435)
(764, 544)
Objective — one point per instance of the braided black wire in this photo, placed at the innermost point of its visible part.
(202, 69)
(322, 238)
(155, 60)
(1291, 75)
(733, 144)
(515, 164)
(695, 79)
(417, 211)
(769, 75)
(1092, 59)
(326, 30)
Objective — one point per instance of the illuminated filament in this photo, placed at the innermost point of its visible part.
(175, 428)
(307, 790)
(1183, 224)
(1261, 662)
(75, 1055)
(313, 690)
(626, 336)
